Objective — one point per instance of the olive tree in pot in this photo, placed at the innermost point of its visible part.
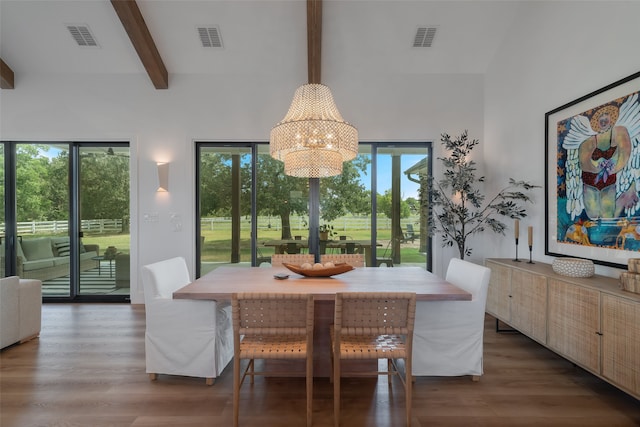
(457, 208)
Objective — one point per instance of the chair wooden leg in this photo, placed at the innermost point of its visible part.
(475, 378)
(309, 390)
(408, 388)
(236, 390)
(331, 370)
(153, 377)
(336, 392)
(389, 371)
(210, 381)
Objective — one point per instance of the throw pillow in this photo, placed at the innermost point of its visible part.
(62, 248)
(35, 249)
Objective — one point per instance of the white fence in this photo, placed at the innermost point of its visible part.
(109, 226)
(96, 226)
(301, 223)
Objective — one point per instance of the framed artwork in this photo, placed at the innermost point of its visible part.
(592, 175)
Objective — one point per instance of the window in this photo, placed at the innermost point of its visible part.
(248, 209)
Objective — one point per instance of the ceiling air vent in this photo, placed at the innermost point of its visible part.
(424, 36)
(210, 36)
(82, 35)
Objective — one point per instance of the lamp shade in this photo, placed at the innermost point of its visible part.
(313, 140)
(163, 177)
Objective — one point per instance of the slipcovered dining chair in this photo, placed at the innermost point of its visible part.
(278, 259)
(183, 337)
(373, 325)
(355, 260)
(448, 335)
(271, 326)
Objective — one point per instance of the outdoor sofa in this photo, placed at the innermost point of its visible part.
(46, 258)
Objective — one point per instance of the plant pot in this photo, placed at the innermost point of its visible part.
(324, 235)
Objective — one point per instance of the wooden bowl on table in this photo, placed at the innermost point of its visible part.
(338, 268)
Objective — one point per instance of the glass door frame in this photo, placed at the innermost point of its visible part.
(74, 221)
(375, 147)
(313, 191)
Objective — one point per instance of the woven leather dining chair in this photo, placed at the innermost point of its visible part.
(355, 260)
(271, 326)
(278, 259)
(373, 325)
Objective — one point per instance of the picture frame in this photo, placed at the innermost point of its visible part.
(592, 175)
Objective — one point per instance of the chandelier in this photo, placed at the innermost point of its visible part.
(313, 140)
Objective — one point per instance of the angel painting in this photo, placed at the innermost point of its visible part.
(601, 170)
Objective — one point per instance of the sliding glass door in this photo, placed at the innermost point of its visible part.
(248, 209)
(66, 207)
(104, 244)
(224, 205)
(402, 172)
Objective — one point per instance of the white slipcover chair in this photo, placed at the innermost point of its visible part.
(448, 335)
(20, 309)
(183, 337)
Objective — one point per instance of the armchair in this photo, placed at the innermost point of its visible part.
(183, 337)
(448, 335)
(20, 310)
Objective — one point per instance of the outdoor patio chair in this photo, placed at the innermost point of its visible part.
(409, 235)
(292, 248)
(261, 258)
(271, 326)
(387, 256)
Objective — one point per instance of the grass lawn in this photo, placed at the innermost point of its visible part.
(217, 244)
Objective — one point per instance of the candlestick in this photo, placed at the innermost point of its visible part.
(516, 259)
(516, 229)
(530, 233)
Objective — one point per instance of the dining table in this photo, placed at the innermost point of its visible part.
(220, 284)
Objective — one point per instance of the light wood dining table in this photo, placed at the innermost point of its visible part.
(222, 282)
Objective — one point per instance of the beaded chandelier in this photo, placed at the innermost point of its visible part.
(313, 140)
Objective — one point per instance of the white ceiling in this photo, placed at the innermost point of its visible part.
(260, 37)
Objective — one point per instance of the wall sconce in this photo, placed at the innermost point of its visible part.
(163, 177)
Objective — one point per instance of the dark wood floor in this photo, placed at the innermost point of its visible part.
(87, 369)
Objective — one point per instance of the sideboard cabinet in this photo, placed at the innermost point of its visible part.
(589, 321)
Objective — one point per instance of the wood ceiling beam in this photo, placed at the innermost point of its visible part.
(314, 39)
(6, 76)
(136, 28)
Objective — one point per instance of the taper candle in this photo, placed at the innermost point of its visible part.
(517, 228)
(530, 229)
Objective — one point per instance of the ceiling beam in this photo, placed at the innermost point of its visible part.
(314, 39)
(136, 28)
(6, 76)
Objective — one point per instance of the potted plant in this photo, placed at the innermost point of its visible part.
(325, 231)
(458, 209)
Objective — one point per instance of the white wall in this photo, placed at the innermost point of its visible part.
(556, 53)
(162, 125)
